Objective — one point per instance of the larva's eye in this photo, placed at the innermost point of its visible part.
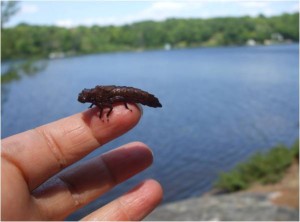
(81, 98)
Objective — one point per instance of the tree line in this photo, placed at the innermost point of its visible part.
(23, 40)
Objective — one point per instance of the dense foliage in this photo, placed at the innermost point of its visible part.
(39, 41)
(264, 168)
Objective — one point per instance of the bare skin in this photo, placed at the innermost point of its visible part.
(34, 188)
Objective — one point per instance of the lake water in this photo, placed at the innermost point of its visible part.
(220, 105)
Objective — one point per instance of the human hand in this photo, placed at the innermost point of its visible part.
(34, 188)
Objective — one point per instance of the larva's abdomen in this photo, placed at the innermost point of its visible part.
(135, 95)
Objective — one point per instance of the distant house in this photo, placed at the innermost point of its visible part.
(56, 55)
(251, 42)
(167, 46)
(277, 37)
(268, 42)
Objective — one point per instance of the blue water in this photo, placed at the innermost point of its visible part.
(220, 105)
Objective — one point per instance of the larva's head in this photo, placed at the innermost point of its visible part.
(85, 96)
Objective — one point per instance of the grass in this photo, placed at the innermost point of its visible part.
(261, 167)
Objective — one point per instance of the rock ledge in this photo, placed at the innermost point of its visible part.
(232, 207)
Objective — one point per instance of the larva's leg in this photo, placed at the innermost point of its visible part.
(100, 106)
(100, 113)
(119, 99)
(91, 105)
(110, 109)
(125, 103)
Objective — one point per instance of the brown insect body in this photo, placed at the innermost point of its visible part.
(105, 96)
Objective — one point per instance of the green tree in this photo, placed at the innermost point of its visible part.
(8, 9)
(38, 41)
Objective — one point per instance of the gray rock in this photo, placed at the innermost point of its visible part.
(232, 207)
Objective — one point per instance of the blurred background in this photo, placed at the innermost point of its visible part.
(226, 73)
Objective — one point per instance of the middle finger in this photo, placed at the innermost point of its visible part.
(70, 190)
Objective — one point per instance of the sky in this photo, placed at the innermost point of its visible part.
(88, 13)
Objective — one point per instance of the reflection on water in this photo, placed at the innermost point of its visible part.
(10, 75)
(14, 71)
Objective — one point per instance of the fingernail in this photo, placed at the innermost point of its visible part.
(140, 108)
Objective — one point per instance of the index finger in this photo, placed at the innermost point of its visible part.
(41, 152)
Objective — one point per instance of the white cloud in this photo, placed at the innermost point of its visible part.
(267, 8)
(29, 9)
(161, 10)
(68, 23)
(254, 4)
(160, 6)
(295, 7)
(157, 11)
(254, 8)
